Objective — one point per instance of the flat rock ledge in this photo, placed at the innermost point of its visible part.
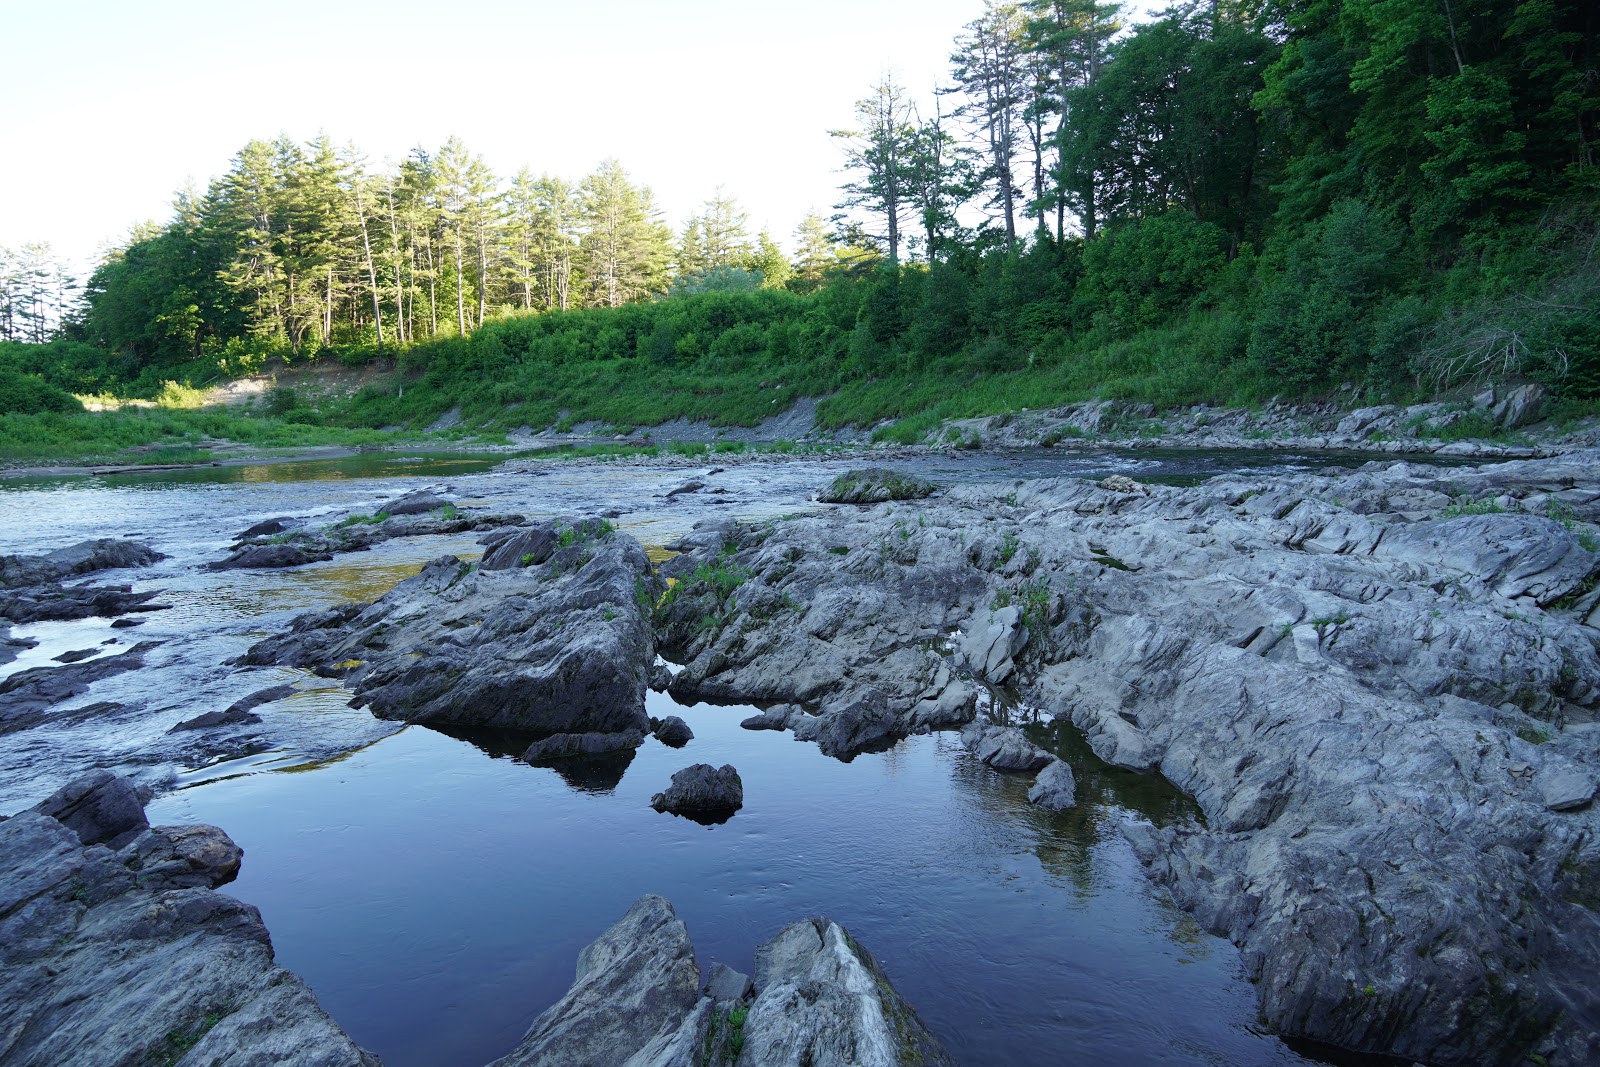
(550, 634)
(817, 999)
(1380, 686)
(116, 949)
(32, 589)
(279, 543)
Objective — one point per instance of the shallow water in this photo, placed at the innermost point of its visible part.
(435, 893)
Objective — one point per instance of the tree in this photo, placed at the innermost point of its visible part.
(878, 155)
(990, 69)
(624, 245)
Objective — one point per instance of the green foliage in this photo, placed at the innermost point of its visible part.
(27, 394)
(361, 520)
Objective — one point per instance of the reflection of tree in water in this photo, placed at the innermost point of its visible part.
(1070, 844)
(585, 774)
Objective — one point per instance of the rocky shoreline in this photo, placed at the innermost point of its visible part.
(1381, 688)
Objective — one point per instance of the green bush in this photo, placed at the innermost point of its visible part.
(28, 394)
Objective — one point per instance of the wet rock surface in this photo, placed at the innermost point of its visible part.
(282, 543)
(31, 588)
(29, 697)
(818, 998)
(115, 948)
(558, 646)
(1382, 688)
(875, 485)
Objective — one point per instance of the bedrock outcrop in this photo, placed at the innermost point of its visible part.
(34, 589)
(115, 947)
(818, 999)
(1381, 687)
(289, 542)
(554, 639)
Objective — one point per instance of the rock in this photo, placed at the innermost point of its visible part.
(212, 719)
(106, 553)
(1005, 748)
(419, 514)
(569, 746)
(100, 808)
(776, 717)
(991, 646)
(76, 656)
(820, 1000)
(27, 696)
(419, 502)
(1566, 787)
(875, 485)
(518, 548)
(265, 529)
(823, 1001)
(672, 731)
(1520, 407)
(691, 486)
(132, 957)
(660, 678)
(561, 647)
(124, 624)
(636, 982)
(726, 984)
(702, 789)
(1054, 788)
(1121, 483)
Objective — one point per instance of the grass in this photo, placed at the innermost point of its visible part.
(174, 454)
(361, 520)
(101, 436)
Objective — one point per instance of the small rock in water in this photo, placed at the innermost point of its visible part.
(1004, 748)
(672, 731)
(702, 792)
(1054, 788)
(75, 655)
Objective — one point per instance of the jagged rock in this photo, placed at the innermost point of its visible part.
(27, 696)
(672, 731)
(1121, 483)
(209, 720)
(776, 717)
(635, 983)
(1054, 788)
(694, 485)
(419, 514)
(106, 553)
(1567, 787)
(265, 528)
(76, 655)
(558, 647)
(660, 678)
(875, 485)
(702, 789)
(1004, 748)
(823, 1001)
(518, 548)
(100, 808)
(129, 956)
(1520, 407)
(569, 746)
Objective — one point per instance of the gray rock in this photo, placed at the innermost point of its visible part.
(569, 746)
(776, 717)
(672, 731)
(1566, 786)
(86, 557)
(1520, 407)
(702, 789)
(724, 983)
(100, 808)
(131, 957)
(823, 1001)
(660, 678)
(875, 485)
(994, 643)
(558, 647)
(210, 720)
(635, 983)
(419, 514)
(419, 502)
(1005, 748)
(28, 697)
(1054, 788)
(519, 548)
(691, 486)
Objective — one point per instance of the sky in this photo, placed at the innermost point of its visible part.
(113, 105)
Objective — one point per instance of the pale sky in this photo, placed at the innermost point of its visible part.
(112, 105)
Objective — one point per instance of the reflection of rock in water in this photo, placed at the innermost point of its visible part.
(1144, 793)
(586, 774)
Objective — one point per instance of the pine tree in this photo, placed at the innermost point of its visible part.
(878, 156)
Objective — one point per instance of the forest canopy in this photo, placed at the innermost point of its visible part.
(1233, 201)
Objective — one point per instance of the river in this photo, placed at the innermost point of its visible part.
(435, 892)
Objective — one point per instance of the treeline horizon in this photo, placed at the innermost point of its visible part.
(1234, 201)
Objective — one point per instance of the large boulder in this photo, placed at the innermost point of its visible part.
(559, 647)
(875, 485)
(129, 956)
